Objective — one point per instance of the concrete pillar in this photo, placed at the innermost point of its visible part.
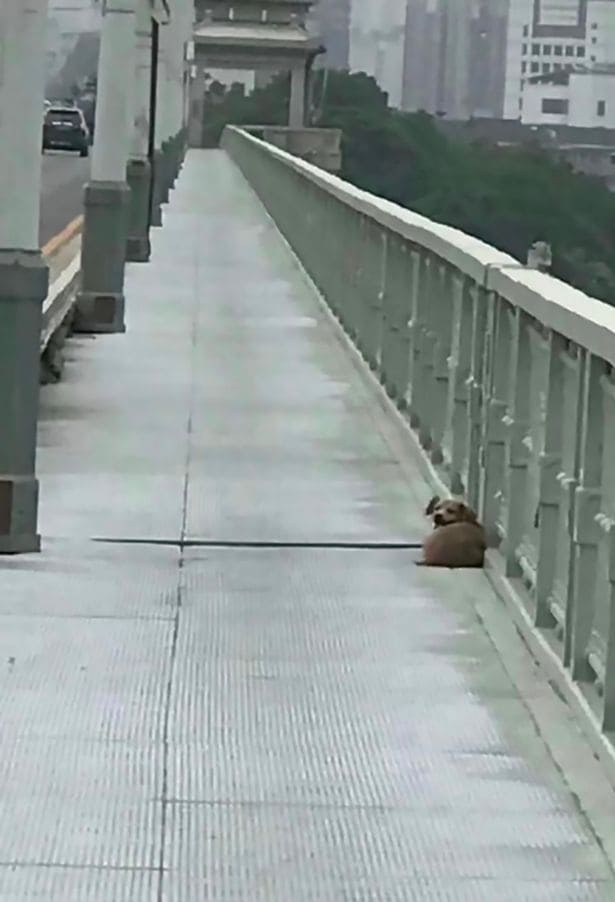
(159, 160)
(188, 63)
(138, 171)
(296, 112)
(100, 306)
(175, 71)
(196, 108)
(23, 272)
(182, 34)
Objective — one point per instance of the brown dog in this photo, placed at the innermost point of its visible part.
(457, 540)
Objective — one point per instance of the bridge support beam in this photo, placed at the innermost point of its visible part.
(23, 271)
(100, 306)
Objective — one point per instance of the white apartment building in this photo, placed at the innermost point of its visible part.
(475, 58)
(583, 99)
(547, 37)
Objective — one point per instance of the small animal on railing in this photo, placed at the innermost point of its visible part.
(457, 540)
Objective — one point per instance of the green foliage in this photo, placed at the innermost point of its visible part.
(507, 197)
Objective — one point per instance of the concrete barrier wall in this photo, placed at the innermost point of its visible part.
(505, 377)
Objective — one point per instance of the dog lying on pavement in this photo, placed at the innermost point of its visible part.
(457, 540)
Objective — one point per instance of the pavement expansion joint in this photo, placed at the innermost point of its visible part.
(266, 545)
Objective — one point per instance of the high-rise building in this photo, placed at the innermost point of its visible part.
(553, 36)
(472, 58)
(377, 35)
(454, 57)
(331, 20)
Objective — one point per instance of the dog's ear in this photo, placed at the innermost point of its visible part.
(468, 514)
(435, 501)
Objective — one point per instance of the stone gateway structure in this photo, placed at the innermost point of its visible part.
(260, 36)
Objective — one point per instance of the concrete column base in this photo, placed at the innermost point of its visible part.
(165, 171)
(24, 281)
(173, 160)
(157, 175)
(138, 177)
(100, 303)
(183, 146)
(19, 515)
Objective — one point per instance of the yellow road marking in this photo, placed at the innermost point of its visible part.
(58, 241)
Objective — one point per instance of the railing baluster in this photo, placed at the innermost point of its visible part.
(442, 311)
(550, 492)
(401, 338)
(494, 435)
(517, 452)
(422, 402)
(413, 390)
(380, 263)
(459, 368)
(476, 392)
(608, 713)
(587, 535)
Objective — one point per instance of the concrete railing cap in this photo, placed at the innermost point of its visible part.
(582, 319)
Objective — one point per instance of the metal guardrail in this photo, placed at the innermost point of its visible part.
(63, 289)
(60, 300)
(505, 375)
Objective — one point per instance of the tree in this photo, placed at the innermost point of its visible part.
(509, 198)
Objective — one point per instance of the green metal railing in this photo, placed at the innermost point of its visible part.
(504, 374)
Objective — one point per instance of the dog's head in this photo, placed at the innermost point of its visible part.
(443, 513)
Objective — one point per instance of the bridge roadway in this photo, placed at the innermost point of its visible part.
(63, 178)
(238, 695)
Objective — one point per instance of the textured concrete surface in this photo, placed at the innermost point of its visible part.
(251, 722)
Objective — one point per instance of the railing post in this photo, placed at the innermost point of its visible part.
(424, 351)
(494, 434)
(412, 391)
(517, 423)
(442, 312)
(405, 290)
(381, 301)
(362, 265)
(354, 298)
(587, 535)
(390, 314)
(345, 267)
(476, 394)
(608, 711)
(569, 487)
(550, 492)
(373, 268)
(459, 368)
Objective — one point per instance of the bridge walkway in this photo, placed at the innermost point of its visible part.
(224, 678)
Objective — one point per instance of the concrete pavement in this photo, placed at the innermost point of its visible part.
(64, 175)
(202, 707)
